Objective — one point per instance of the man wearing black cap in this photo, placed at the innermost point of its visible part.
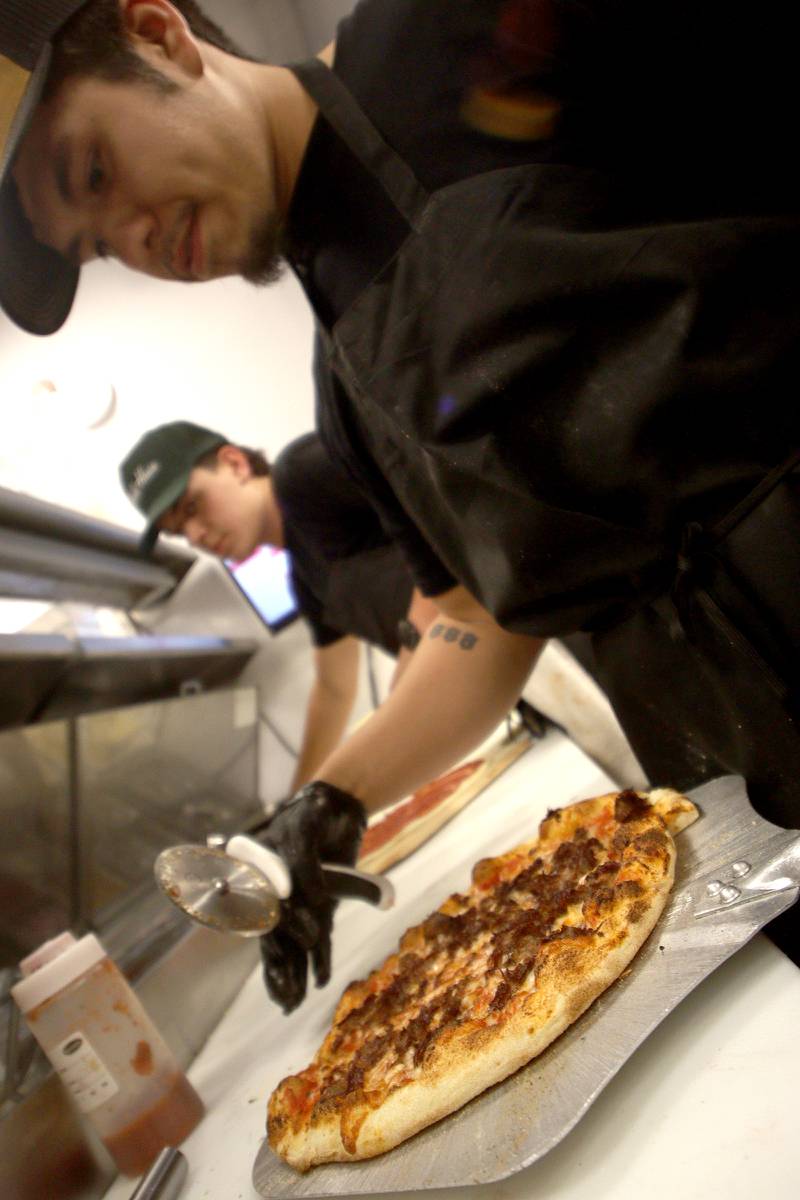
(348, 581)
(554, 251)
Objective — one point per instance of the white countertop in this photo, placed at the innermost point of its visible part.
(705, 1108)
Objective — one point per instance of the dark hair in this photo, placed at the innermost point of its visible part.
(256, 460)
(94, 42)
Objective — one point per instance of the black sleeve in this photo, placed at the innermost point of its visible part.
(318, 519)
(310, 609)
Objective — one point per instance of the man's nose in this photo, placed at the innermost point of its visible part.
(132, 238)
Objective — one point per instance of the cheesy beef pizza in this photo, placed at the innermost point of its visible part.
(487, 981)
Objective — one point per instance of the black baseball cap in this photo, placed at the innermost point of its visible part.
(156, 471)
(37, 286)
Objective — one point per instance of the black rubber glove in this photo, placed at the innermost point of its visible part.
(319, 824)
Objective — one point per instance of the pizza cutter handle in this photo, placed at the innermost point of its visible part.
(264, 860)
(340, 881)
(350, 883)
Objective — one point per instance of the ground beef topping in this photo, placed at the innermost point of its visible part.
(475, 956)
(629, 806)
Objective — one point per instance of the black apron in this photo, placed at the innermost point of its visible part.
(509, 372)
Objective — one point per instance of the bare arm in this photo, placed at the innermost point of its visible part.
(463, 677)
(329, 705)
(421, 612)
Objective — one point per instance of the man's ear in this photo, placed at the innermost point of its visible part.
(158, 24)
(236, 460)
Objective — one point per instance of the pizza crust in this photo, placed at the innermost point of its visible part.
(570, 973)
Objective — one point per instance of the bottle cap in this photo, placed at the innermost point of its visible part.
(53, 966)
(47, 952)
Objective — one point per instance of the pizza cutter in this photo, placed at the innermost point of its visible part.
(236, 886)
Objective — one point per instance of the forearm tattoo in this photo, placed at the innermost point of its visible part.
(452, 633)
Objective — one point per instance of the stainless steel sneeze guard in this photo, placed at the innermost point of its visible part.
(735, 873)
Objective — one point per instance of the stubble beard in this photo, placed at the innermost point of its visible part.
(264, 263)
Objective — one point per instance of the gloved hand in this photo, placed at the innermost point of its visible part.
(319, 824)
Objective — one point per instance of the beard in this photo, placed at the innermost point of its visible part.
(263, 262)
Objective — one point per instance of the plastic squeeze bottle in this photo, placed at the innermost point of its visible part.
(110, 1057)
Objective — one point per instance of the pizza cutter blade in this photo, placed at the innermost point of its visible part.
(239, 889)
(217, 890)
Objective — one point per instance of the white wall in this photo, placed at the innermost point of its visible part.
(279, 30)
(224, 354)
(270, 30)
(319, 19)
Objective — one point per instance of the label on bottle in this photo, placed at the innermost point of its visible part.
(83, 1072)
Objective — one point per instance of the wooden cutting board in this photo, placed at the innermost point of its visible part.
(396, 832)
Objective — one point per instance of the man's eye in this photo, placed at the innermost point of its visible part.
(190, 509)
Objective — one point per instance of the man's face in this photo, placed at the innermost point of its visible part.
(178, 185)
(220, 511)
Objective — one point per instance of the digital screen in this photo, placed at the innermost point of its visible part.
(264, 579)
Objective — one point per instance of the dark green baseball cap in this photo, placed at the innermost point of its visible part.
(156, 471)
(37, 286)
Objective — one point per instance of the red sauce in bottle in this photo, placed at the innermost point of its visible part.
(166, 1123)
(142, 1061)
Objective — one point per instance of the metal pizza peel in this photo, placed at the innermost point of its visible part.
(735, 873)
(236, 885)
